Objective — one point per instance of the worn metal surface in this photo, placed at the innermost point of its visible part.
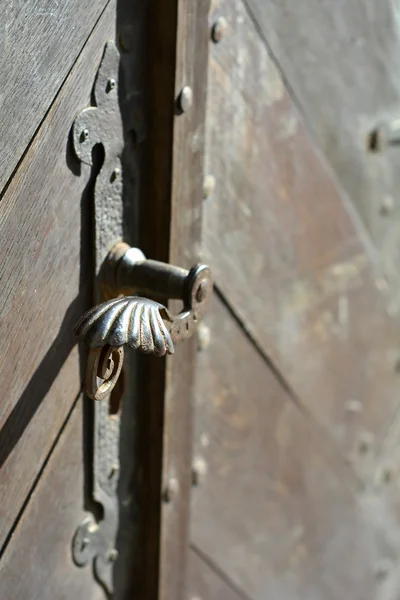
(128, 321)
(140, 323)
(102, 124)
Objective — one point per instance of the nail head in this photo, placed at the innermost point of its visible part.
(219, 29)
(171, 490)
(112, 555)
(199, 470)
(185, 99)
(208, 186)
(111, 84)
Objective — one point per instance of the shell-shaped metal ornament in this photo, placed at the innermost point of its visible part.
(127, 321)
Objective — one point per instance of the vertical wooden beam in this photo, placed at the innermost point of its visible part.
(170, 228)
(185, 237)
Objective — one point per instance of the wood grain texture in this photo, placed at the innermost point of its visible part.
(288, 252)
(170, 221)
(39, 42)
(45, 273)
(153, 238)
(274, 509)
(341, 61)
(185, 234)
(37, 564)
(205, 583)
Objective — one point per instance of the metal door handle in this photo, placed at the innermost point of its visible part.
(137, 321)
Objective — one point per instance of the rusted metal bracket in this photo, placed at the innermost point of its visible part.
(102, 124)
(122, 316)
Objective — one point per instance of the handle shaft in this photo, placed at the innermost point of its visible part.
(149, 277)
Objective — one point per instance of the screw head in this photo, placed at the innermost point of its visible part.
(219, 29)
(171, 490)
(85, 543)
(111, 84)
(185, 99)
(116, 174)
(113, 473)
(112, 555)
(84, 135)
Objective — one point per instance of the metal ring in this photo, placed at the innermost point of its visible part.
(105, 364)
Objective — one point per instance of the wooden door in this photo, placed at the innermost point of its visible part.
(261, 460)
(295, 470)
(50, 55)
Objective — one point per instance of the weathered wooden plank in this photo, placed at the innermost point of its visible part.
(273, 508)
(45, 274)
(204, 583)
(341, 60)
(185, 232)
(170, 221)
(37, 563)
(287, 250)
(39, 43)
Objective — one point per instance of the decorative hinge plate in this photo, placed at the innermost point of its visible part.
(102, 124)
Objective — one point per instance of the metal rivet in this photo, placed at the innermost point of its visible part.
(387, 134)
(111, 83)
(112, 555)
(208, 186)
(84, 135)
(171, 490)
(203, 337)
(219, 29)
(116, 174)
(113, 472)
(185, 98)
(199, 470)
(85, 543)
